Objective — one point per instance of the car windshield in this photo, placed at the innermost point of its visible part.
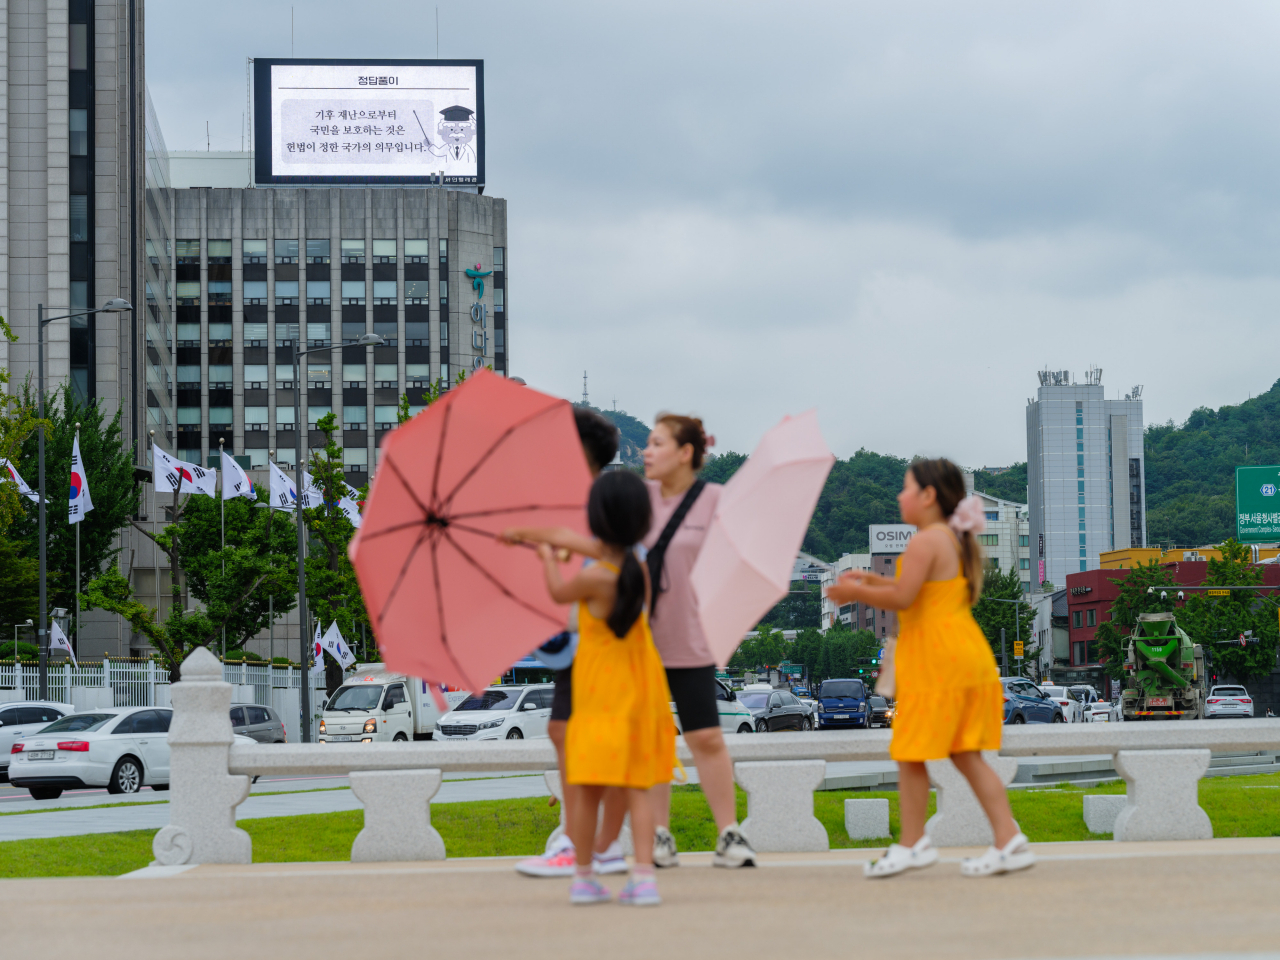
(492, 700)
(840, 688)
(364, 696)
(78, 723)
(879, 702)
(754, 701)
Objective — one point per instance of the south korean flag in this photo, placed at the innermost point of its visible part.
(235, 482)
(168, 470)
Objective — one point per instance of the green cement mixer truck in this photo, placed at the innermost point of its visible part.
(1164, 672)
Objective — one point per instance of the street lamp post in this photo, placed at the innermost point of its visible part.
(115, 305)
(1017, 626)
(304, 620)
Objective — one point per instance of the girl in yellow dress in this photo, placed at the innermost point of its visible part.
(950, 699)
(620, 732)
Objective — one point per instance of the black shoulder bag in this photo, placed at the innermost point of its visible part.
(658, 552)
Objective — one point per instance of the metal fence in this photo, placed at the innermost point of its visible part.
(145, 683)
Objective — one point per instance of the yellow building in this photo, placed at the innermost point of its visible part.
(1130, 557)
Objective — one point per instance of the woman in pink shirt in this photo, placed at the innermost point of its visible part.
(683, 507)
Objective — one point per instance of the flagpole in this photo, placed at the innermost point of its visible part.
(271, 597)
(76, 592)
(221, 454)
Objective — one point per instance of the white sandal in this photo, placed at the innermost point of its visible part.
(1016, 855)
(899, 858)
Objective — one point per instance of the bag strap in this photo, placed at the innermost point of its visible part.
(658, 552)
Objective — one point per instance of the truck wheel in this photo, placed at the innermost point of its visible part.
(398, 738)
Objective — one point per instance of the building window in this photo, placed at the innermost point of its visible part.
(255, 291)
(353, 292)
(444, 291)
(1082, 540)
(417, 291)
(1024, 540)
(79, 218)
(384, 418)
(317, 251)
(286, 293)
(384, 292)
(384, 251)
(219, 377)
(284, 376)
(353, 251)
(355, 418)
(284, 417)
(499, 258)
(418, 374)
(286, 251)
(356, 458)
(319, 373)
(219, 251)
(353, 374)
(989, 539)
(1080, 433)
(219, 334)
(220, 292)
(78, 131)
(316, 414)
(255, 334)
(417, 251)
(500, 306)
(1076, 619)
(1091, 618)
(993, 516)
(385, 375)
(219, 418)
(255, 376)
(444, 250)
(188, 293)
(317, 292)
(255, 419)
(255, 251)
(1024, 563)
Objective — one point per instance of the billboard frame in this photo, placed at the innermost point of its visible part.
(262, 171)
(1254, 478)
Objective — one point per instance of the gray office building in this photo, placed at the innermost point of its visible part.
(1085, 474)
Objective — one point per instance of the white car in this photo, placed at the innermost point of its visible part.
(1104, 711)
(120, 748)
(1228, 702)
(1072, 709)
(26, 716)
(507, 712)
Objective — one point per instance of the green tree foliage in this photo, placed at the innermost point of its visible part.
(1112, 635)
(18, 421)
(859, 491)
(116, 496)
(797, 610)
(20, 598)
(633, 434)
(833, 654)
(719, 468)
(1217, 622)
(1016, 618)
(1010, 485)
(1191, 468)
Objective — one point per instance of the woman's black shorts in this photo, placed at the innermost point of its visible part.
(694, 691)
(562, 699)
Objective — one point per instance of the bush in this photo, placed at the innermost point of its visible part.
(26, 651)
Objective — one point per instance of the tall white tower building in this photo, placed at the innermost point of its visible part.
(1085, 474)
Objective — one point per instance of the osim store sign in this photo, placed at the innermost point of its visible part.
(890, 537)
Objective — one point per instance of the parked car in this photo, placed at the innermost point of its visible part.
(775, 709)
(1072, 708)
(881, 712)
(734, 716)
(507, 712)
(260, 724)
(801, 691)
(1024, 702)
(1228, 702)
(27, 716)
(1104, 711)
(842, 703)
(120, 748)
(377, 705)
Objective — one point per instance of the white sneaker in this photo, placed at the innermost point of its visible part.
(557, 861)
(664, 848)
(611, 861)
(899, 858)
(1016, 855)
(732, 849)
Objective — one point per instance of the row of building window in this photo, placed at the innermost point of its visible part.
(257, 418)
(319, 251)
(353, 293)
(255, 376)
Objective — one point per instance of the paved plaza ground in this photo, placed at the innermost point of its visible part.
(1212, 898)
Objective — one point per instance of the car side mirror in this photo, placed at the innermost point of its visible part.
(529, 705)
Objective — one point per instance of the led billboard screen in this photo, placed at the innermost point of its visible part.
(368, 121)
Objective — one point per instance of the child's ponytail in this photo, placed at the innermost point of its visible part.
(619, 514)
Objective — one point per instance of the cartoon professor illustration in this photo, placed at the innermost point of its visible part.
(456, 130)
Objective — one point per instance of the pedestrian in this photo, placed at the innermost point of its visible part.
(950, 700)
(683, 505)
(599, 439)
(620, 732)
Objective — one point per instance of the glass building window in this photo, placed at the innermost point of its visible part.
(255, 334)
(255, 376)
(1024, 563)
(220, 377)
(286, 251)
(444, 333)
(417, 291)
(384, 292)
(255, 418)
(353, 374)
(187, 252)
(1091, 618)
(286, 292)
(79, 218)
(188, 374)
(284, 375)
(419, 374)
(219, 417)
(384, 417)
(219, 334)
(499, 299)
(220, 291)
(355, 418)
(189, 417)
(318, 292)
(78, 46)
(417, 251)
(78, 132)
(188, 334)
(499, 258)
(317, 251)
(257, 459)
(1079, 433)
(80, 301)
(316, 414)
(444, 291)
(255, 291)
(255, 251)
(219, 251)
(1076, 619)
(188, 293)
(318, 334)
(1024, 540)
(284, 417)
(353, 251)
(385, 375)
(356, 458)
(989, 539)
(384, 251)
(319, 373)
(444, 250)
(353, 292)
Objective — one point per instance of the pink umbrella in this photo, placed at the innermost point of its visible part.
(745, 564)
(448, 602)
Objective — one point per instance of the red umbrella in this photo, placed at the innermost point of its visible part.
(449, 602)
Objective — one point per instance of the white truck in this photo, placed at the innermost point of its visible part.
(376, 705)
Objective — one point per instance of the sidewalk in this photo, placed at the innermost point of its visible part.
(793, 904)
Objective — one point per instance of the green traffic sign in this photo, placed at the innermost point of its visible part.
(1257, 504)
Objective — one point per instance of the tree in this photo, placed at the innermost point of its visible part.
(19, 600)
(116, 495)
(1112, 635)
(1016, 618)
(718, 469)
(797, 610)
(1217, 622)
(18, 421)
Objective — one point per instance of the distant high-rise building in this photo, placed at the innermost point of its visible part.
(1085, 474)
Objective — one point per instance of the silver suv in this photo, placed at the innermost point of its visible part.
(1228, 702)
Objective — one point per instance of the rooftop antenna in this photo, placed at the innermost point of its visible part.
(437, 32)
(206, 136)
(584, 387)
(291, 31)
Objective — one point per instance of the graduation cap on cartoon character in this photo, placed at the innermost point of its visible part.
(456, 114)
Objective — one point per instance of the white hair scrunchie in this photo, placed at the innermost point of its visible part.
(969, 516)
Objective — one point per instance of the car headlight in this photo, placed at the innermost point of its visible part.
(322, 730)
(490, 724)
(371, 725)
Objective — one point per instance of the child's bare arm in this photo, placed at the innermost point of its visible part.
(586, 585)
(885, 594)
(561, 537)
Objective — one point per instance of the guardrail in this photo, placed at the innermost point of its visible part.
(1160, 762)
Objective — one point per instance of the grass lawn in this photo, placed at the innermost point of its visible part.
(1237, 806)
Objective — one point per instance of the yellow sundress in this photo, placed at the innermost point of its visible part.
(621, 732)
(949, 695)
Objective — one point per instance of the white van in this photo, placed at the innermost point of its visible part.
(507, 712)
(376, 705)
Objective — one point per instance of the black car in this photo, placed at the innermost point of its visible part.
(1024, 702)
(881, 712)
(842, 703)
(776, 710)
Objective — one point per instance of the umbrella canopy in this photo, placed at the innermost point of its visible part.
(745, 564)
(448, 602)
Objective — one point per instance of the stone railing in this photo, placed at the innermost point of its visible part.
(210, 776)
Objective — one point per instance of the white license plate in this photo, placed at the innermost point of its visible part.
(342, 737)
(40, 755)
(1158, 701)
(842, 716)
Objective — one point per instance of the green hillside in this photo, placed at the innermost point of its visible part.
(1010, 485)
(1191, 468)
(635, 434)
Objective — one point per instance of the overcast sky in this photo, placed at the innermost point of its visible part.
(896, 212)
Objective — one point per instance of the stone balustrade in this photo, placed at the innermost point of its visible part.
(1160, 762)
